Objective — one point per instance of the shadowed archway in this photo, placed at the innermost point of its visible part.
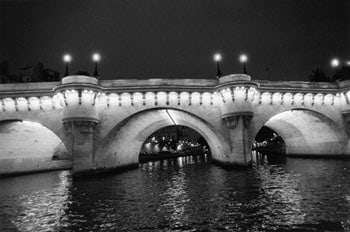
(308, 133)
(171, 142)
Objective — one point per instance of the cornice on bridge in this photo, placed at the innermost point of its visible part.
(167, 85)
(298, 86)
(28, 89)
(21, 96)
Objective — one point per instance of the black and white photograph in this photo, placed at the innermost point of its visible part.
(174, 115)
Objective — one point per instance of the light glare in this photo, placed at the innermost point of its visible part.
(96, 57)
(217, 57)
(67, 58)
(334, 62)
(243, 58)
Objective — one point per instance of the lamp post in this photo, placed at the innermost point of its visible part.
(243, 58)
(67, 58)
(96, 58)
(334, 64)
(217, 58)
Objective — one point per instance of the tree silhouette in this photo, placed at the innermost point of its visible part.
(318, 76)
(342, 74)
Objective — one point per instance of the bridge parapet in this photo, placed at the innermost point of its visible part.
(301, 94)
(23, 104)
(79, 79)
(234, 79)
(21, 97)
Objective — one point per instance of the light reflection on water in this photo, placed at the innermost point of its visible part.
(184, 194)
(34, 202)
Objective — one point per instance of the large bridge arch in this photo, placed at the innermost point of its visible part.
(122, 145)
(307, 132)
(28, 146)
(51, 120)
(263, 112)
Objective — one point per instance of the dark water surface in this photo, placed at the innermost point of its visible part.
(187, 194)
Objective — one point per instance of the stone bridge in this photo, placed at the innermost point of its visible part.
(102, 125)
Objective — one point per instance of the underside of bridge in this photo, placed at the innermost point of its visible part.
(171, 142)
(29, 147)
(307, 132)
(123, 144)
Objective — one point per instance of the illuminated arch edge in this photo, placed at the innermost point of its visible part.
(107, 157)
(340, 134)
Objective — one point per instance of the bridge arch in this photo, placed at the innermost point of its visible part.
(116, 150)
(307, 132)
(52, 120)
(28, 146)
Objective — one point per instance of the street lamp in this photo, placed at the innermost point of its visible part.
(243, 59)
(67, 58)
(334, 64)
(96, 58)
(217, 58)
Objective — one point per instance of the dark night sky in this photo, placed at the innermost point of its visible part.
(177, 38)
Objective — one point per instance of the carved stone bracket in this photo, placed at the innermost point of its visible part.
(246, 120)
(85, 126)
(232, 121)
(67, 127)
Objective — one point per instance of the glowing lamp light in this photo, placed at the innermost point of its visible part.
(96, 57)
(335, 63)
(67, 58)
(243, 58)
(348, 63)
(217, 57)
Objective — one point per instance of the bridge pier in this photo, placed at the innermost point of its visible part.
(81, 134)
(346, 116)
(237, 93)
(79, 98)
(240, 137)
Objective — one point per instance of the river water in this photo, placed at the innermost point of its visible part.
(184, 194)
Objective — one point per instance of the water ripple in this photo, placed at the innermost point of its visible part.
(183, 195)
